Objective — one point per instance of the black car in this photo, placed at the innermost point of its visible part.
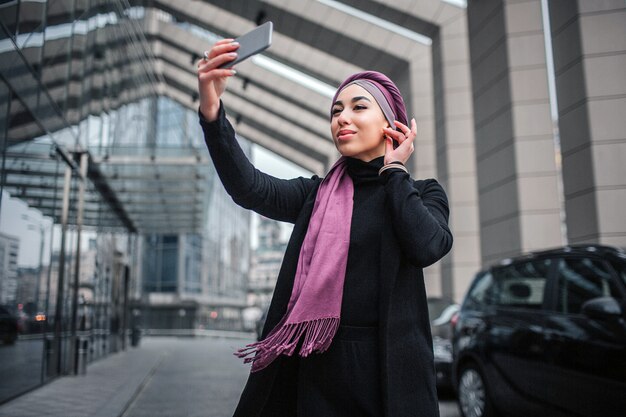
(8, 326)
(441, 311)
(544, 334)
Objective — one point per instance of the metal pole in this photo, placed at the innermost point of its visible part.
(40, 269)
(5, 144)
(58, 315)
(79, 226)
(125, 307)
(46, 364)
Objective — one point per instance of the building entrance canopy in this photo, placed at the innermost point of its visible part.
(137, 193)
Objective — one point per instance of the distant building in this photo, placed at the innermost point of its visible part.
(195, 280)
(9, 248)
(26, 288)
(265, 263)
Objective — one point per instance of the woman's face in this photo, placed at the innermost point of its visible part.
(357, 124)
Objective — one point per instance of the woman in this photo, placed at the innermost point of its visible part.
(347, 332)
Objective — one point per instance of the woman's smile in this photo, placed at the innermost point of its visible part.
(345, 134)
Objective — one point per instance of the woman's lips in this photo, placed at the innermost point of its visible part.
(345, 134)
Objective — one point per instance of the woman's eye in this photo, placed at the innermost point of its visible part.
(360, 107)
(336, 111)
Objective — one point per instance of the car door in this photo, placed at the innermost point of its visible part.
(587, 355)
(516, 334)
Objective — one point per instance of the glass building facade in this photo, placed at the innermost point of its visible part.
(105, 176)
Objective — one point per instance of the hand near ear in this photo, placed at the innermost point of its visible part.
(404, 136)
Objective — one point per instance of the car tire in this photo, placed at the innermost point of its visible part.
(472, 392)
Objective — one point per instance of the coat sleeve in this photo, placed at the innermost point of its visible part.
(420, 214)
(250, 188)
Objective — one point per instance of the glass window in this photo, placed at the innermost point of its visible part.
(479, 292)
(30, 29)
(8, 16)
(580, 280)
(521, 284)
(621, 270)
(5, 97)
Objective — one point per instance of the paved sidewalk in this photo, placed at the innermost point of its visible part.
(113, 384)
(164, 377)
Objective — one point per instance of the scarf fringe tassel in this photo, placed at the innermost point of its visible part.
(318, 335)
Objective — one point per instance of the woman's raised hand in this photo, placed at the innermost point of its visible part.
(211, 79)
(404, 136)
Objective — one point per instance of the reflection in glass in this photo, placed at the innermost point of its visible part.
(78, 78)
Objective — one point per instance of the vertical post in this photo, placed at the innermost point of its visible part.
(39, 269)
(125, 306)
(79, 226)
(5, 145)
(47, 362)
(58, 315)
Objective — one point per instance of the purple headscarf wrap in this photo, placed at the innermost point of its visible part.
(383, 90)
(314, 308)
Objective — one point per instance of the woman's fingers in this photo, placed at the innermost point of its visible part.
(388, 145)
(405, 137)
(222, 47)
(404, 133)
(394, 134)
(218, 73)
(405, 129)
(412, 134)
(213, 63)
(223, 41)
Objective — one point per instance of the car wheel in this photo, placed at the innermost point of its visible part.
(472, 391)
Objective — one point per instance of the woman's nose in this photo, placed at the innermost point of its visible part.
(342, 119)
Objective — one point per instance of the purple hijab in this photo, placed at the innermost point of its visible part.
(381, 87)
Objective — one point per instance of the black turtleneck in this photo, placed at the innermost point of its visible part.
(360, 294)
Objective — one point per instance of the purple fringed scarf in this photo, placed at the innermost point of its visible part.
(315, 304)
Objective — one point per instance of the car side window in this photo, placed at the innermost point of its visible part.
(521, 284)
(580, 280)
(621, 270)
(479, 293)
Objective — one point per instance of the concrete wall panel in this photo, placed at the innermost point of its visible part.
(610, 162)
(500, 240)
(541, 230)
(539, 194)
(526, 50)
(535, 156)
(499, 202)
(532, 119)
(582, 217)
(606, 119)
(603, 33)
(530, 85)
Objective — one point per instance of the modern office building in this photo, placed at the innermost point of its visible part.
(265, 262)
(9, 248)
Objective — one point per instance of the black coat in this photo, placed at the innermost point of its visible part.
(415, 235)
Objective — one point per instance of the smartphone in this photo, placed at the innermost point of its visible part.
(253, 42)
